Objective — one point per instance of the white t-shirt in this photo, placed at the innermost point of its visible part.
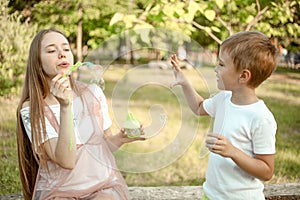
(77, 108)
(252, 129)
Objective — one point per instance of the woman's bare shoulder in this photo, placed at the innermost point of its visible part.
(25, 104)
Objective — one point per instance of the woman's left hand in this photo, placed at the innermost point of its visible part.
(116, 141)
(125, 139)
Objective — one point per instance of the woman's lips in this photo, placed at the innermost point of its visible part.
(64, 65)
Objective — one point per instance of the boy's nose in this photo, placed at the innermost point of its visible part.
(215, 69)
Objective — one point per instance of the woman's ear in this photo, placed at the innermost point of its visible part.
(245, 76)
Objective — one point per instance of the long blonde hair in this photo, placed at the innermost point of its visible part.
(35, 90)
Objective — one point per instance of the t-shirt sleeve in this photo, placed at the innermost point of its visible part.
(264, 136)
(104, 107)
(210, 105)
(51, 133)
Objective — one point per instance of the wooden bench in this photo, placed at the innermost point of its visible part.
(288, 191)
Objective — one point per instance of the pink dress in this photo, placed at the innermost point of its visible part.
(95, 175)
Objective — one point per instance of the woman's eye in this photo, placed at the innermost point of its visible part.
(66, 49)
(50, 51)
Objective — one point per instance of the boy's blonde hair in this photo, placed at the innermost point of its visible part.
(254, 51)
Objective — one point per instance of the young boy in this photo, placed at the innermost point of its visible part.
(242, 143)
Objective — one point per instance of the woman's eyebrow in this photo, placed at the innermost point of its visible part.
(50, 45)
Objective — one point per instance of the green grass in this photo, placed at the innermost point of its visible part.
(281, 96)
(9, 172)
(283, 100)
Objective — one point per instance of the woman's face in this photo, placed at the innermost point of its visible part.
(56, 54)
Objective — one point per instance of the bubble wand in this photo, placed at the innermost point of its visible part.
(72, 68)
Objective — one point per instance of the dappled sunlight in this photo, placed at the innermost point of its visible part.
(285, 92)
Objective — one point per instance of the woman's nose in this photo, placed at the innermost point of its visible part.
(61, 54)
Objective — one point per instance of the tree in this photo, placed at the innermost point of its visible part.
(15, 37)
(282, 22)
(217, 19)
(85, 22)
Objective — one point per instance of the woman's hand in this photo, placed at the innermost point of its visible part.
(126, 139)
(60, 87)
(180, 79)
(62, 150)
(116, 141)
(218, 144)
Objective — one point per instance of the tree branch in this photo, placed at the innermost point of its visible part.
(258, 15)
(201, 28)
(227, 26)
(258, 5)
(208, 32)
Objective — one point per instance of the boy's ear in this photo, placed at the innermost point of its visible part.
(245, 76)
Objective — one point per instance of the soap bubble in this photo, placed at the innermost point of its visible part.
(154, 76)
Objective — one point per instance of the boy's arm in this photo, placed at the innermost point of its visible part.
(261, 166)
(194, 100)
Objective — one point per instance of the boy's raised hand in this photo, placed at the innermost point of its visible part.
(180, 79)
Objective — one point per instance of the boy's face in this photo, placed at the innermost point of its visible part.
(56, 55)
(227, 75)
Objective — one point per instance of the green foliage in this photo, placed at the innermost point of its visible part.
(207, 22)
(215, 19)
(65, 16)
(15, 39)
(282, 21)
(62, 15)
(156, 15)
(97, 26)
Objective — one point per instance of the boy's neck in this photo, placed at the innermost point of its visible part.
(244, 96)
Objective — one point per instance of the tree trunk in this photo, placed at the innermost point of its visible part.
(79, 35)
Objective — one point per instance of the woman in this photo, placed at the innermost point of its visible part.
(63, 129)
